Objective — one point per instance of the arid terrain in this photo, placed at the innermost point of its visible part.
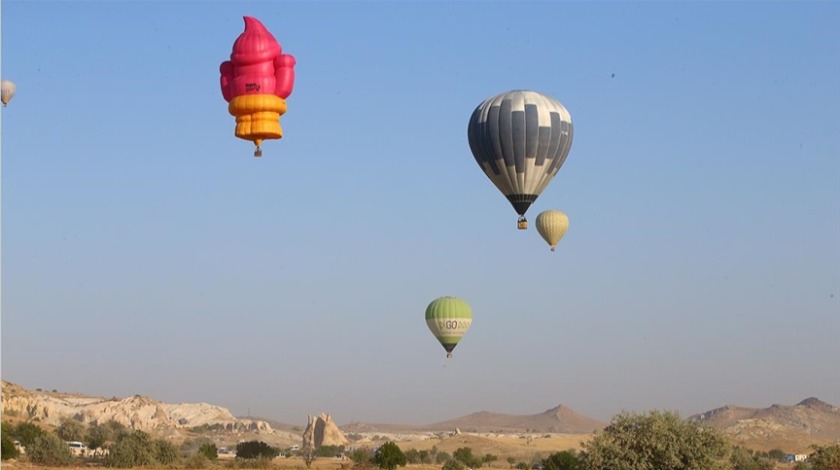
(792, 428)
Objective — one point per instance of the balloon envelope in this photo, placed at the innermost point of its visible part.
(7, 91)
(256, 82)
(520, 139)
(552, 225)
(449, 318)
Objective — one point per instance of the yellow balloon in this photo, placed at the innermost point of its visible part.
(552, 225)
(7, 90)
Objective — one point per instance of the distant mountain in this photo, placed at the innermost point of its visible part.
(560, 419)
(361, 427)
(796, 427)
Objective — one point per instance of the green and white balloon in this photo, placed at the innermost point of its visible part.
(449, 318)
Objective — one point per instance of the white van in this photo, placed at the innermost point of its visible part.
(77, 448)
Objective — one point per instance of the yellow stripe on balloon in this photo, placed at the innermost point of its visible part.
(257, 116)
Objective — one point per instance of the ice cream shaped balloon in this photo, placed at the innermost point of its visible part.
(255, 82)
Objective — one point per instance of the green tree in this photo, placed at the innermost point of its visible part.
(823, 458)
(360, 455)
(27, 433)
(442, 457)
(412, 456)
(742, 459)
(134, 449)
(96, 437)
(70, 430)
(565, 460)
(389, 456)
(776, 454)
(656, 440)
(48, 449)
(425, 457)
(114, 429)
(256, 450)
(511, 461)
(7, 429)
(466, 457)
(8, 449)
(329, 451)
(209, 451)
(489, 459)
(165, 452)
(453, 464)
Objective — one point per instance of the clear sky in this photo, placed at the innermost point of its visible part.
(146, 251)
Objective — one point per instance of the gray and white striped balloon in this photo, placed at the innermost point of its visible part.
(520, 139)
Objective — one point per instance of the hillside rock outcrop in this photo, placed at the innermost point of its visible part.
(135, 412)
(322, 431)
(810, 417)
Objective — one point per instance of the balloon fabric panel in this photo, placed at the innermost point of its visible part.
(520, 139)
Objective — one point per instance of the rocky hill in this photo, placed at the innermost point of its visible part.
(810, 421)
(791, 428)
(135, 412)
(560, 419)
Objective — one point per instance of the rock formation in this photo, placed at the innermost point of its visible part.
(322, 431)
(135, 412)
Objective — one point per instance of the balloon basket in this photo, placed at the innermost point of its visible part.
(522, 223)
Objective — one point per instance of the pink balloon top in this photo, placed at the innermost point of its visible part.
(257, 65)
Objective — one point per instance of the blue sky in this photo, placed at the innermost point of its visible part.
(146, 251)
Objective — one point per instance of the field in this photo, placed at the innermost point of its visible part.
(284, 464)
(520, 448)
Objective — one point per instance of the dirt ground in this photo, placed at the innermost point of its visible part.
(521, 449)
(283, 464)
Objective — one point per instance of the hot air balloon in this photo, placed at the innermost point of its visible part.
(552, 225)
(449, 318)
(255, 82)
(7, 91)
(520, 139)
